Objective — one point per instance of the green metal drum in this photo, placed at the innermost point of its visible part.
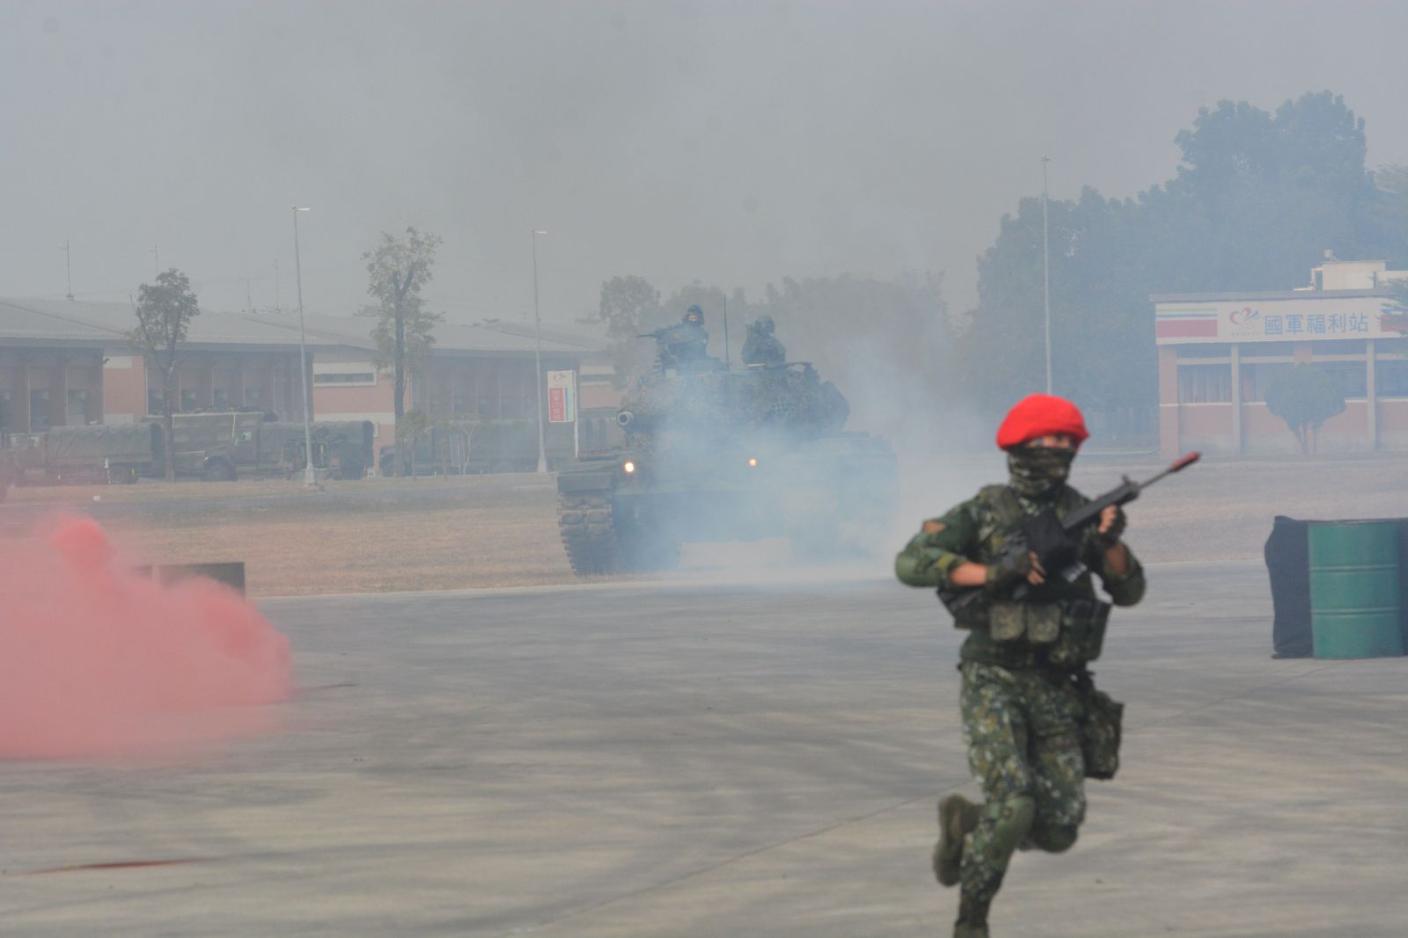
(1355, 597)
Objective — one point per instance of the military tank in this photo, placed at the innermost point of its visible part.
(713, 453)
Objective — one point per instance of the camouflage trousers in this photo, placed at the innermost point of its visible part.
(1024, 749)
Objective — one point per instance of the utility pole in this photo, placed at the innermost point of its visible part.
(156, 260)
(68, 267)
(727, 365)
(1046, 271)
(277, 308)
(309, 478)
(538, 359)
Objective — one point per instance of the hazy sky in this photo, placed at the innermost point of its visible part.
(731, 142)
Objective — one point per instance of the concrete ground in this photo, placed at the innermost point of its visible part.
(703, 759)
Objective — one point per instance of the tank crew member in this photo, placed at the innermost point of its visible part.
(762, 347)
(1030, 712)
(686, 345)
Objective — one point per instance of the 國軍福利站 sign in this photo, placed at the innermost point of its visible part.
(1307, 318)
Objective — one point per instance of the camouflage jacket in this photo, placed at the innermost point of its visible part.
(978, 530)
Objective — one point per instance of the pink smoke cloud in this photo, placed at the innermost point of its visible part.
(99, 660)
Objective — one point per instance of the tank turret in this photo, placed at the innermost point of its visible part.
(713, 453)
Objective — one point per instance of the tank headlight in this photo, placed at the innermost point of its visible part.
(752, 462)
(628, 467)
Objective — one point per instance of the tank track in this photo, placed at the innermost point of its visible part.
(588, 533)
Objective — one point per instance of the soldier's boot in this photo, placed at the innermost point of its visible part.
(972, 920)
(957, 818)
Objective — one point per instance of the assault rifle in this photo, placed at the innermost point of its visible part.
(1054, 540)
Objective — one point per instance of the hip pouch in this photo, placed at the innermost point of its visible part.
(1100, 728)
(1083, 623)
(1038, 623)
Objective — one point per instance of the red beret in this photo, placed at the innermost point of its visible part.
(1041, 415)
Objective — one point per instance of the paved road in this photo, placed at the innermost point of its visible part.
(705, 759)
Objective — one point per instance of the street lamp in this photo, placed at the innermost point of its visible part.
(538, 359)
(309, 478)
(1046, 272)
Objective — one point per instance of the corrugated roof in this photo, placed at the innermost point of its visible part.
(1272, 295)
(75, 322)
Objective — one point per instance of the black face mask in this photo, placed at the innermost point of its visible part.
(1039, 471)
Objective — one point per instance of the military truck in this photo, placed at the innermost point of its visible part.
(211, 446)
(341, 447)
(215, 447)
(718, 454)
(100, 453)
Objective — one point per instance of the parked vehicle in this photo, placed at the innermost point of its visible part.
(214, 447)
(101, 453)
(462, 447)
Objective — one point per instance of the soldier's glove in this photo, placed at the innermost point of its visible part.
(1008, 570)
(1112, 537)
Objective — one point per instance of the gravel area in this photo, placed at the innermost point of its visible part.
(482, 531)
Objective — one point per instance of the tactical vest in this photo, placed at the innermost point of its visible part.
(1065, 632)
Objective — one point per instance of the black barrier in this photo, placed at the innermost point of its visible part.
(231, 574)
(1288, 566)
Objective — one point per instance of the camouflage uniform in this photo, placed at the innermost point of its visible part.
(1021, 704)
(683, 346)
(762, 346)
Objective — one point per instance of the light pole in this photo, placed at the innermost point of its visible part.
(538, 359)
(1046, 272)
(309, 478)
(68, 267)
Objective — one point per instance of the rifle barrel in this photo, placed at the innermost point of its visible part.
(1183, 462)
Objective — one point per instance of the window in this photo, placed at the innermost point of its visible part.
(1337, 347)
(1350, 377)
(1253, 350)
(347, 377)
(220, 400)
(38, 410)
(7, 417)
(154, 401)
(254, 398)
(1204, 384)
(1391, 377)
(76, 413)
(1204, 350)
(1257, 378)
(188, 401)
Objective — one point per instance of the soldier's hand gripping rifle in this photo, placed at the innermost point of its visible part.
(1055, 541)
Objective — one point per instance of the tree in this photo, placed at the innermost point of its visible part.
(1395, 314)
(1305, 397)
(886, 343)
(1258, 196)
(627, 305)
(164, 312)
(397, 268)
(1389, 215)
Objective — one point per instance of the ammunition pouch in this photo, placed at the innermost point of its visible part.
(1100, 729)
(1038, 623)
(1083, 623)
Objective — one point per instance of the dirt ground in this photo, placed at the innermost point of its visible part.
(491, 531)
(350, 537)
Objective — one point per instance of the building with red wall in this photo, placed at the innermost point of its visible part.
(66, 362)
(1218, 352)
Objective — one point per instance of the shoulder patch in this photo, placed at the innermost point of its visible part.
(933, 526)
